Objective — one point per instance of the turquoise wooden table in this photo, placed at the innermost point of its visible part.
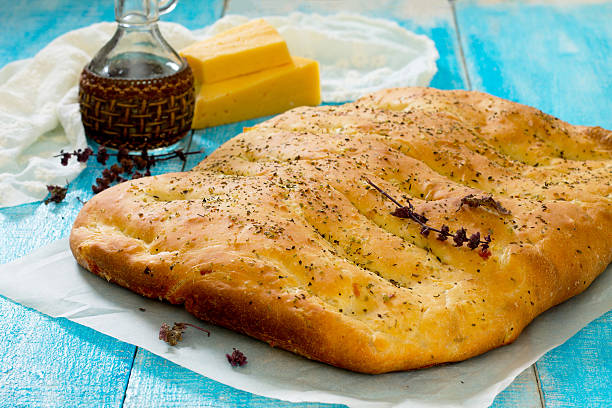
(555, 56)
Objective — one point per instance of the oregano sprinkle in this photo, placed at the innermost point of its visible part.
(460, 236)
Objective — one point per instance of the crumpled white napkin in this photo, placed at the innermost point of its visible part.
(39, 111)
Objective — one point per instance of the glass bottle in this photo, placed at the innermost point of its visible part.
(137, 92)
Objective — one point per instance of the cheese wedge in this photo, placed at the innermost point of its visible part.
(262, 93)
(241, 50)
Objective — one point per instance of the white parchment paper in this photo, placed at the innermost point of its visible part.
(50, 281)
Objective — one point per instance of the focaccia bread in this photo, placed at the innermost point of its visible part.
(279, 235)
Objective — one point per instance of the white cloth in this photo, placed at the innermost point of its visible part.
(39, 112)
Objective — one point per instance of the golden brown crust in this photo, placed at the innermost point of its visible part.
(278, 236)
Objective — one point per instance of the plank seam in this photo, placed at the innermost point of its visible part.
(539, 385)
(127, 383)
(460, 45)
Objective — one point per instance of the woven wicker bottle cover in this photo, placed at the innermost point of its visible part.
(137, 92)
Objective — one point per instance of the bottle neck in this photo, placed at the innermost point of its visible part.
(136, 52)
(136, 12)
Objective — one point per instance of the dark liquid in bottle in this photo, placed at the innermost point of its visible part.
(139, 65)
(125, 107)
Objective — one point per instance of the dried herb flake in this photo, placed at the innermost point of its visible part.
(487, 201)
(172, 335)
(237, 358)
(56, 194)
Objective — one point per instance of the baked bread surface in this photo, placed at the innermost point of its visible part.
(278, 235)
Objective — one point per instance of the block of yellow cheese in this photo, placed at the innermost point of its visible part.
(262, 93)
(241, 50)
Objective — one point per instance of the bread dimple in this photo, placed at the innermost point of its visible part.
(278, 235)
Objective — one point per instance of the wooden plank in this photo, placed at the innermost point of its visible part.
(57, 363)
(35, 24)
(29, 27)
(523, 392)
(579, 372)
(555, 57)
(45, 361)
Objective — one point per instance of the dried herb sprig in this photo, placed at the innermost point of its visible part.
(172, 335)
(460, 236)
(237, 358)
(141, 160)
(123, 170)
(56, 194)
(81, 155)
